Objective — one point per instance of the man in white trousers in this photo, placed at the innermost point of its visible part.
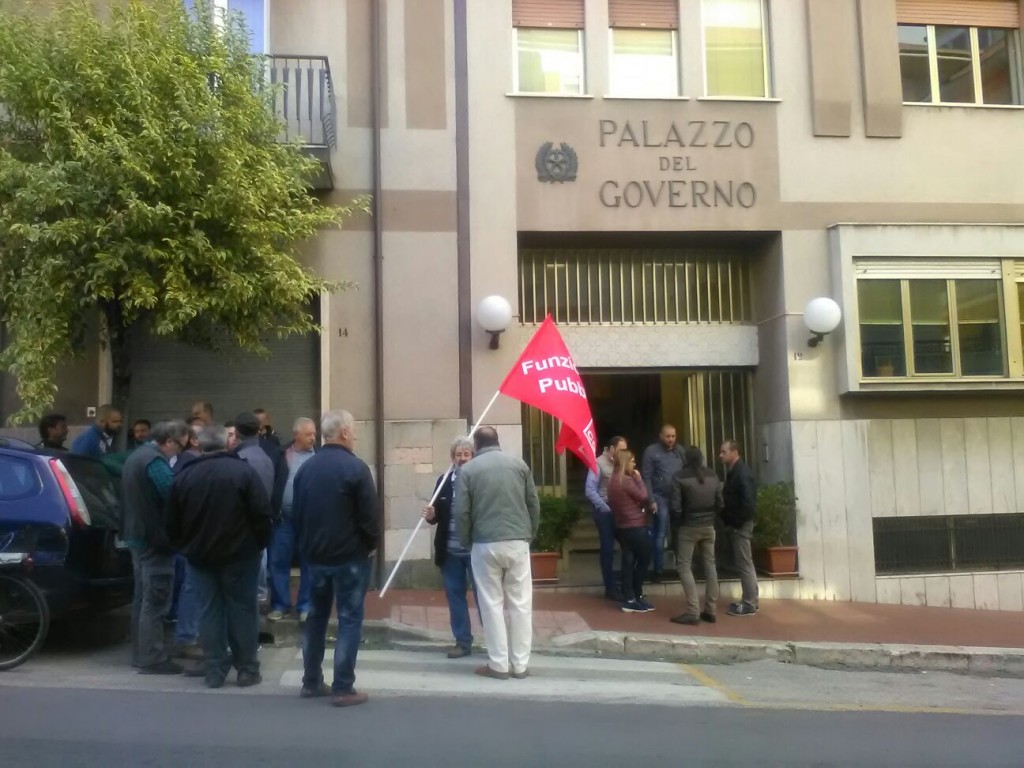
(497, 514)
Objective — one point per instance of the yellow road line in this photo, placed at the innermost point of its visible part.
(708, 681)
(735, 697)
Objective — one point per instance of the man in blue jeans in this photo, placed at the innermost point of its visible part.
(662, 461)
(596, 490)
(449, 554)
(334, 508)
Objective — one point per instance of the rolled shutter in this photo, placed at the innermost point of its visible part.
(1004, 14)
(558, 14)
(644, 14)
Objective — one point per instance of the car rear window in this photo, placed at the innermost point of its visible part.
(100, 489)
(18, 478)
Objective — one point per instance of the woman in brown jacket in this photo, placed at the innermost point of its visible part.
(626, 497)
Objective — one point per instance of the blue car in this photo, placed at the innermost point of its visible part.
(69, 508)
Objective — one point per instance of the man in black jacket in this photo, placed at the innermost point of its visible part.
(334, 508)
(449, 554)
(738, 515)
(219, 517)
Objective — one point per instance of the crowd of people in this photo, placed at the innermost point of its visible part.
(673, 497)
(203, 504)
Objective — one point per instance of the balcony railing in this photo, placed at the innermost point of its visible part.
(305, 102)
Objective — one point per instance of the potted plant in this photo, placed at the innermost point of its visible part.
(558, 516)
(773, 526)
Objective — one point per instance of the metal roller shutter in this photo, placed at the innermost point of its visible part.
(961, 13)
(168, 377)
(644, 14)
(558, 14)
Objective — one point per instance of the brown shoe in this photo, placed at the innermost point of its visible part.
(458, 651)
(486, 671)
(521, 675)
(350, 699)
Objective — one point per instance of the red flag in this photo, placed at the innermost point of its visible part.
(546, 377)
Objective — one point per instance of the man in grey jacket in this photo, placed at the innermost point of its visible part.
(497, 514)
(247, 428)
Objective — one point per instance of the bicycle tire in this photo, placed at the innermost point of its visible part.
(24, 620)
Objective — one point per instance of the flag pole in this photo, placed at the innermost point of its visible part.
(433, 498)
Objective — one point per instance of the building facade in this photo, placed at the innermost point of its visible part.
(673, 181)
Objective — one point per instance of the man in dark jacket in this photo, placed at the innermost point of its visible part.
(247, 429)
(146, 482)
(449, 554)
(219, 518)
(740, 507)
(662, 460)
(335, 514)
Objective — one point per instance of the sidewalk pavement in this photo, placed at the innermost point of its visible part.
(817, 633)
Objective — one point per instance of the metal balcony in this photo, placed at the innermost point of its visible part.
(305, 104)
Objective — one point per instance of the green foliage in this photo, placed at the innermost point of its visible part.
(558, 516)
(776, 515)
(142, 180)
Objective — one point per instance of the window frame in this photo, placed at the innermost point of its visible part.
(676, 59)
(1016, 64)
(766, 55)
(581, 53)
(1006, 273)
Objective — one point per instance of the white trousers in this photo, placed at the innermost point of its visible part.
(503, 579)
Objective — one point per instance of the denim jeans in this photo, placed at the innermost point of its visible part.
(657, 530)
(154, 588)
(262, 590)
(229, 617)
(282, 548)
(636, 556)
(346, 586)
(457, 574)
(605, 522)
(186, 630)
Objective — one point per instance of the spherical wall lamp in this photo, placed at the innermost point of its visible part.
(821, 316)
(494, 313)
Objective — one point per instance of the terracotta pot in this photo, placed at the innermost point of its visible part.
(544, 565)
(777, 561)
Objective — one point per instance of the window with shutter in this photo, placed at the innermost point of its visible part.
(549, 46)
(644, 48)
(959, 52)
(940, 320)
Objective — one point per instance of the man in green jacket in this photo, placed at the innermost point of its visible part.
(497, 514)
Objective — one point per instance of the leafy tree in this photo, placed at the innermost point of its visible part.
(142, 180)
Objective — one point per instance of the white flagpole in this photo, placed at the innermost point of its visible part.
(433, 498)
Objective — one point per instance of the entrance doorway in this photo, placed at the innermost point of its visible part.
(705, 405)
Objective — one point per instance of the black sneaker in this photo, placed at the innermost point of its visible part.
(246, 679)
(708, 617)
(632, 606)
(741, 609)
(644, 604)
(315, 693)
(686, 618)
(165, 667)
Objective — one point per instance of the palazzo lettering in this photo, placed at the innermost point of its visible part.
(676, 193)
(719, 134)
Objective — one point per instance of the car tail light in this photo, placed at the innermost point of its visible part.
(76, 504)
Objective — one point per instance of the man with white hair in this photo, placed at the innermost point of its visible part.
(282, 544)
(334, 508)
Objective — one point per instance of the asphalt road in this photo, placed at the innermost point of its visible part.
(55, 727)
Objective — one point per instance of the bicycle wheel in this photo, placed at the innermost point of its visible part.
(24, 620)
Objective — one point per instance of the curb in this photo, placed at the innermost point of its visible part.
(891, 657)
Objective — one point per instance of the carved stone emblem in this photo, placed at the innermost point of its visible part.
(556, 164)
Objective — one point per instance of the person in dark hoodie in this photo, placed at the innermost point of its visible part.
(334, 508)
(219, 517)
